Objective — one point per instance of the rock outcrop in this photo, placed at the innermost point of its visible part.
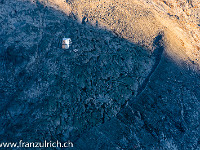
(130, 79)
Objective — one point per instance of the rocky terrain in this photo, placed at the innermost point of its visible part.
(130, 80)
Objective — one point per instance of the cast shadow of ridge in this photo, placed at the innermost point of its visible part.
(45, 87)
(55, 94)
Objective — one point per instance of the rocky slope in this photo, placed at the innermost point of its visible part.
(130, 79)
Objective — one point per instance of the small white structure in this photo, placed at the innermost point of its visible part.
(66, 43)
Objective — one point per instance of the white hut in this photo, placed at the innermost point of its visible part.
(66, 43)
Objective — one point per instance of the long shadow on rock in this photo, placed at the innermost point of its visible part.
(157, 53)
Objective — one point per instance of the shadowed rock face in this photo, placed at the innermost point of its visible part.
(104, 92)
(163, 116)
